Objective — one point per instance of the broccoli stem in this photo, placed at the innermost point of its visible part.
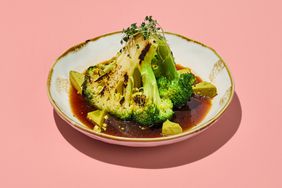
(167, 64)
(150, 85)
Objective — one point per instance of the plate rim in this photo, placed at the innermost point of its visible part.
(83, 128)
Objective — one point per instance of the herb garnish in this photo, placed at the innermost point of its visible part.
(147, 28)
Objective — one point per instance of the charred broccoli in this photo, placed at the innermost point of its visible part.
(141, 82)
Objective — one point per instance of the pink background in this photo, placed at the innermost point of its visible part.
(243, 149)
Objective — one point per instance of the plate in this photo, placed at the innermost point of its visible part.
(203, 60)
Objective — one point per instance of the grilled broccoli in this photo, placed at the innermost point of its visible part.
(141, 82)
(149, 107)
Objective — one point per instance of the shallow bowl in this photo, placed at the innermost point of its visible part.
(203, 60)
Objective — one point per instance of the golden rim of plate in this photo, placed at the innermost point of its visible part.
(82, 127)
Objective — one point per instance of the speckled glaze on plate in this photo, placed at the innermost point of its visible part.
(203, 60)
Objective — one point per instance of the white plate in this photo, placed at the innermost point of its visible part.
(203, 60)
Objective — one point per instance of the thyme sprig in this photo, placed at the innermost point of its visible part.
(147, 28)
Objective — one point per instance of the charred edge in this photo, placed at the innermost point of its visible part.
(140, 100)
(144, 52)
(121, 101)
(100, 78)
(84, 85)
(103, 91)
(125, 78)
(89, 79)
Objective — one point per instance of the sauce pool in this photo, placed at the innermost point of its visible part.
(188, 116)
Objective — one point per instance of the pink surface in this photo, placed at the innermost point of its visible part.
(242, 150)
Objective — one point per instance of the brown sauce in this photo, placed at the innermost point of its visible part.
(188, 116)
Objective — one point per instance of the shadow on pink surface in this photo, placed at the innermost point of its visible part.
(173, 155)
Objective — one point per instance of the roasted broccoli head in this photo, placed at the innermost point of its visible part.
(141, 82)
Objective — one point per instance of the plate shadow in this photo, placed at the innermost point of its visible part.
(172, 155)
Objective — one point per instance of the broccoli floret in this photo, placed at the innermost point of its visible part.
(178, 90)
(172, 85)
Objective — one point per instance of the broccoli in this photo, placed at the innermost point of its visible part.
(129, 89)
(178, 90)
(150, 108)
(174, 85)
(112, 91)
(141, 82)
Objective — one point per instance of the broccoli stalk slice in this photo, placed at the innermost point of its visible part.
(166, 64)
(150, 85)
(156, 109)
